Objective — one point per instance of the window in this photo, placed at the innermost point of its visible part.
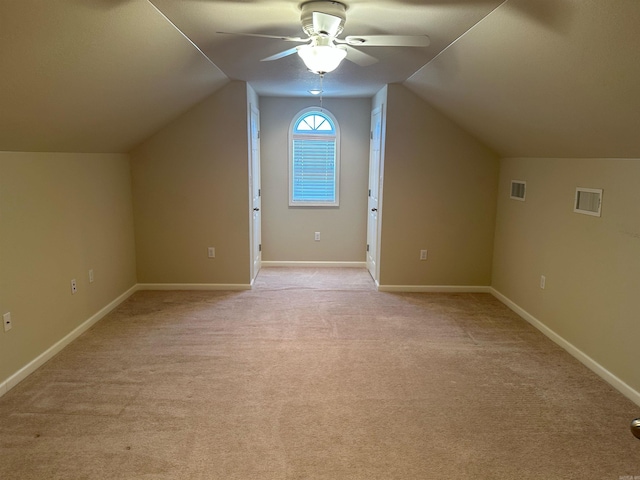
(314, 151)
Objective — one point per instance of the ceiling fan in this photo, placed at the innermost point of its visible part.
(322, 52)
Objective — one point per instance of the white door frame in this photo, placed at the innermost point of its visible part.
(374, 195)
(255, 191)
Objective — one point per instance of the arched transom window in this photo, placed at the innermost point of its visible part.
(314, 159)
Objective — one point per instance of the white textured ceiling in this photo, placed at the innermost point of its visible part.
(553, 78)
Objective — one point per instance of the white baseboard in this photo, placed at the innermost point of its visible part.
(314, 264)
(433, 288)
(194, 286)
(582, 357)
(48, 354)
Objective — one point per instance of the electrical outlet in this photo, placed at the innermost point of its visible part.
(74, 287)
(6, 320)
(211, 252)
(317, 237)
(423, 254)
(543, 281)
(91, 275)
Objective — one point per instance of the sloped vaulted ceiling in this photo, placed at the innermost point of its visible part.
(93, 75)
(530, 78)
(545, 78)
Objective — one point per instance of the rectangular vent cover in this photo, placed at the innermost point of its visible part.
(518, 189)
(588, 201)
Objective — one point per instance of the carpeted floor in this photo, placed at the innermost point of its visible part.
(314, 374)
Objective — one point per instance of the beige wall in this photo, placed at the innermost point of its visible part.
(190, 192)
(440, 187)
(592, 265)
(60, 215)
(288, 232)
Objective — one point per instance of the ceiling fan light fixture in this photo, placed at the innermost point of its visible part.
(321, 58)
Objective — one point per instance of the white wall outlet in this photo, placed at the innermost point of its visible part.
(211, 252)
(74, 287)
(543, 281)
(423, 254)
(6, 320)
(317, 237)
(91, 275)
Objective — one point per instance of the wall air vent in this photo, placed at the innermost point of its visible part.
(588, 201)
(518, 190)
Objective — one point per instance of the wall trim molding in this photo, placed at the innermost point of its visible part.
(434, 288)
(194, 286)
(574, 351)
(52, 351)
(294, 263)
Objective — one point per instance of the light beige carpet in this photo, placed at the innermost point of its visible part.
(315, 375)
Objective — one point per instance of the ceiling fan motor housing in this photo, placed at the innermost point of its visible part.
(335, 9)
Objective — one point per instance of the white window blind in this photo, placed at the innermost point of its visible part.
(314, 160)
(314, 173)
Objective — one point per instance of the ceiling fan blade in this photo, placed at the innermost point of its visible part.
(326, 24)
(286, 53)
(360, 58)
(277, 37)
(386, 40)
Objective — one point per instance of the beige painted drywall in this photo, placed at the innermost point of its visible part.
(439, 194)
(288, 232)
(592, 265)
(60, 215)
(191, 192)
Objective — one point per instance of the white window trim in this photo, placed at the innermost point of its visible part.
(301, 113)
